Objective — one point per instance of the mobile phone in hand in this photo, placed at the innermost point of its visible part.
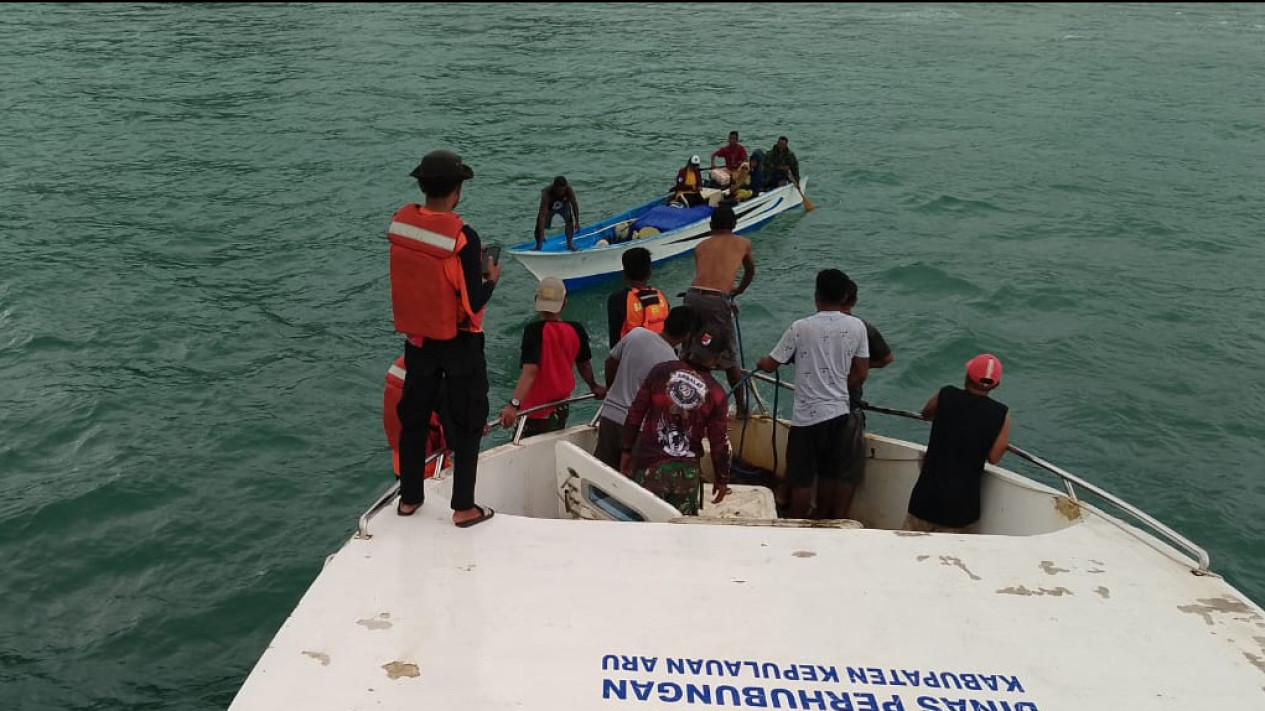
(491, 255)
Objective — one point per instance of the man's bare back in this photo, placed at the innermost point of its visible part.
(716, 262)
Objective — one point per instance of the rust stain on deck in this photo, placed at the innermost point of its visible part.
(321, 657)
(953, 561)
(1067, 508)
(396, 670)
(1037, 592)
(377, 623)
(1257, 661)
(1226, 605)
(1050, 569)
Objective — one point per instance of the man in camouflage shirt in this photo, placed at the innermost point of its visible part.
(781, 165)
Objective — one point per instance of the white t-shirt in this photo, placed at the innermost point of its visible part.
(637, 352)
(822, 347)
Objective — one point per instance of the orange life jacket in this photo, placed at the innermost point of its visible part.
(648, 314)
(391, 420)
(428, 286)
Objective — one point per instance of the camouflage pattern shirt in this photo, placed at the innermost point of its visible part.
(776, 160)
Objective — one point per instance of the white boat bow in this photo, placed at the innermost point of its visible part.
(1055, 604)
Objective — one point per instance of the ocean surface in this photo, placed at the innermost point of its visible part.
(194, 302)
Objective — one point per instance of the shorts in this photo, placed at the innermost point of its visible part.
(568, 217)
(610, 442)
(715, 316)
(555, 421)
(834, 449)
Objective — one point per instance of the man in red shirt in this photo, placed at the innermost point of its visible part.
(734, 153)
(551, 347)
(679, 404)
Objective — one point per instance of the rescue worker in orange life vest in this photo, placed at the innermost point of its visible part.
(440, 285)
(637, 304)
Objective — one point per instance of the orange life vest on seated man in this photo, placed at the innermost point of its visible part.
(428, 287)
(646, 307)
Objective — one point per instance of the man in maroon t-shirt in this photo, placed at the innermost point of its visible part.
(551, 347)
(679, 404)
(733, 152)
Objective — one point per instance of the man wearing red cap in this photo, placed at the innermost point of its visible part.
(967, 428)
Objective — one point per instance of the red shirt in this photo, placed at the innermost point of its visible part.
(677, 405)
(734, 155)
(554, 347)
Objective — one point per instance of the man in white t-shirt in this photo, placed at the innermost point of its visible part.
(830, 351)
(626, 367)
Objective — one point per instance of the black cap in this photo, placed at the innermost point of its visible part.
(442, 164)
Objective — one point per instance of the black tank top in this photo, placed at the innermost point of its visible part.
(948, 488)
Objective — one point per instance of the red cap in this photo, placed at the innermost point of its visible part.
(984, 369)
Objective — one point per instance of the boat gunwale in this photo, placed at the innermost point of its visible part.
(1200, 562)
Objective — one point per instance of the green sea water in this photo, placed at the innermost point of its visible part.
(194, 303)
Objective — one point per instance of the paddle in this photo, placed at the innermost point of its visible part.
(808, 204)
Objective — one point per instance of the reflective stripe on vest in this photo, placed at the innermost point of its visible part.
(647, 315)
(428, 286)
(425, 236)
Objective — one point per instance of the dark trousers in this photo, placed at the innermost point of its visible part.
(610, 442)
(458, 366)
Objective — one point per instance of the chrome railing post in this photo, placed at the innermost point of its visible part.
(362, 526)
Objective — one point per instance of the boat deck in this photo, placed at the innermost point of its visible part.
(661, 615)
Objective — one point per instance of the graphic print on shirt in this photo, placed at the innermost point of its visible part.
(687, 392)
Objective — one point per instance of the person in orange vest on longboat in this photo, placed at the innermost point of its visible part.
(440, 285)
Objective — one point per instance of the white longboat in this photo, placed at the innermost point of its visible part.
(600, 254)
(586, 592)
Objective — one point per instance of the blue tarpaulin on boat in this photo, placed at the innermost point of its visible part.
(666, 217)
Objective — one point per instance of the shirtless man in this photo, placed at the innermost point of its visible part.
(716, 263)
(557, 198)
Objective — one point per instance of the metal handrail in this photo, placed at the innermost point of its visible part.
(520, 420)
(1070, 482)
(362, 528)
